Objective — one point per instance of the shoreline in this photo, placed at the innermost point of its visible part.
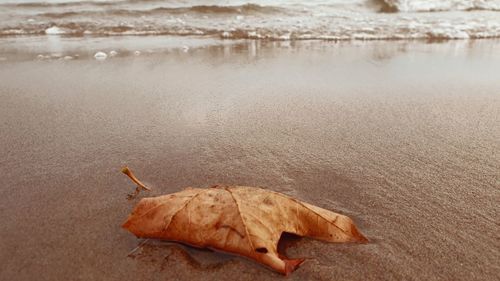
(56, 47)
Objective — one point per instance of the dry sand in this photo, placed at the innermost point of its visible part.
(402, 137)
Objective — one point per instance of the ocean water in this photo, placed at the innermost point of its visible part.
(257, 19)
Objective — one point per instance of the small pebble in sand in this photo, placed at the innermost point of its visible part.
(185, 49)
(100, 56)
(137, 53)
(113, 53)
(68, 58)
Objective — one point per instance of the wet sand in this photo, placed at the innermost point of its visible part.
(402, 137)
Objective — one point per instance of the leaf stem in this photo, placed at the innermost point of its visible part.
(140, 185)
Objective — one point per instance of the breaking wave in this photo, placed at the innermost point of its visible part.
(387, 5)
(439, 5)
(201, 9)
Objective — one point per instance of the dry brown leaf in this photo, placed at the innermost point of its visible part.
(247, 221)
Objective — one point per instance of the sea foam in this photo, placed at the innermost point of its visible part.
(54, 31)
(100, 56)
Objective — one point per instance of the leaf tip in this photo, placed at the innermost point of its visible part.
(358, 236)
(291, 265)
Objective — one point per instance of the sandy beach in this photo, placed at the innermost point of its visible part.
(403, 137)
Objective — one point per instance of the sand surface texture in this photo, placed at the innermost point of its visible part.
(401, 137)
